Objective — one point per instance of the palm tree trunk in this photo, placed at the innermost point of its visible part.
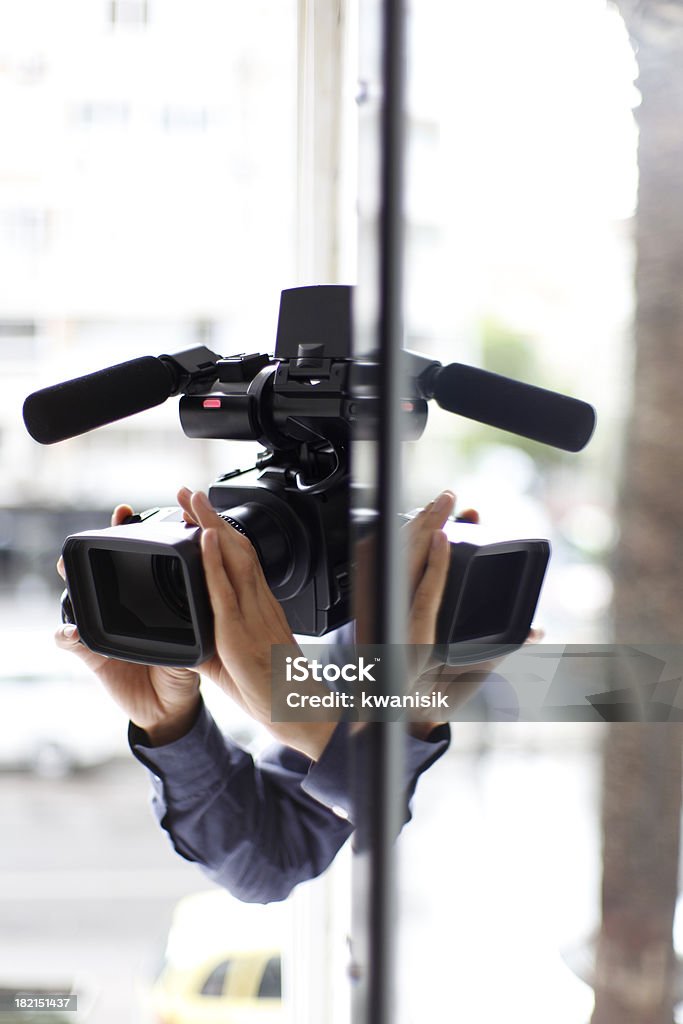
(640, 819)
(635, 968)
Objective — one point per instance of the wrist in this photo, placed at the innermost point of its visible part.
(173, 726)
(422, 730)
(309, 738)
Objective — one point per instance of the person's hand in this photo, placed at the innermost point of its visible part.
(459, 682)
(163, 701)
(427, 559)
(248, 622)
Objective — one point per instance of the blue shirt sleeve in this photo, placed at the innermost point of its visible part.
(259, 827)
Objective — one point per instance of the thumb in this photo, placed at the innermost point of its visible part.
(67, 637)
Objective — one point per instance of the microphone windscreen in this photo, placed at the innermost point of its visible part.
(76, 406)
(523, 409)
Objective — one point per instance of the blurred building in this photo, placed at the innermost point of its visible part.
(147, 204)
(157, 190)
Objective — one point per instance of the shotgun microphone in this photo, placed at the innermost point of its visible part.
(523, 409)
(76, 406)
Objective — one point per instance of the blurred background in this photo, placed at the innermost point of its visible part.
(161, 180)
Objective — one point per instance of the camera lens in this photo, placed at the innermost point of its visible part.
(276, 536)
(170, 582)
(142, 595)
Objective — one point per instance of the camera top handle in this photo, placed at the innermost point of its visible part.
(306, 398)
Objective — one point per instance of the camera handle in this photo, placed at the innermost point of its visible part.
(335, 476)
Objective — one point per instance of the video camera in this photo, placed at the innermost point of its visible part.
(137, 591)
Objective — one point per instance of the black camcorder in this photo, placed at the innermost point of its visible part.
(137, 591)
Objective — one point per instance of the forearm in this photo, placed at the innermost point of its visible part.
(259, 829)
(250, 826)
(337, 779)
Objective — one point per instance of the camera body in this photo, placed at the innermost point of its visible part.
(137, 591)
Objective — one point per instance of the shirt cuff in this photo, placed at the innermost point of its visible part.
(187, 766)
(330, 778)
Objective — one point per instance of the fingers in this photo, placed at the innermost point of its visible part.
(420, 531)
(236, 552)
(185, 501)
(247, 618)
(470, 515)
(239, 562)
(231, 540)
(203, 512)
(438, 511)
(221, 591)
(120, 514)
(429, 592)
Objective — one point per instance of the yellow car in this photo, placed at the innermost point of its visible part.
(222, 964)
